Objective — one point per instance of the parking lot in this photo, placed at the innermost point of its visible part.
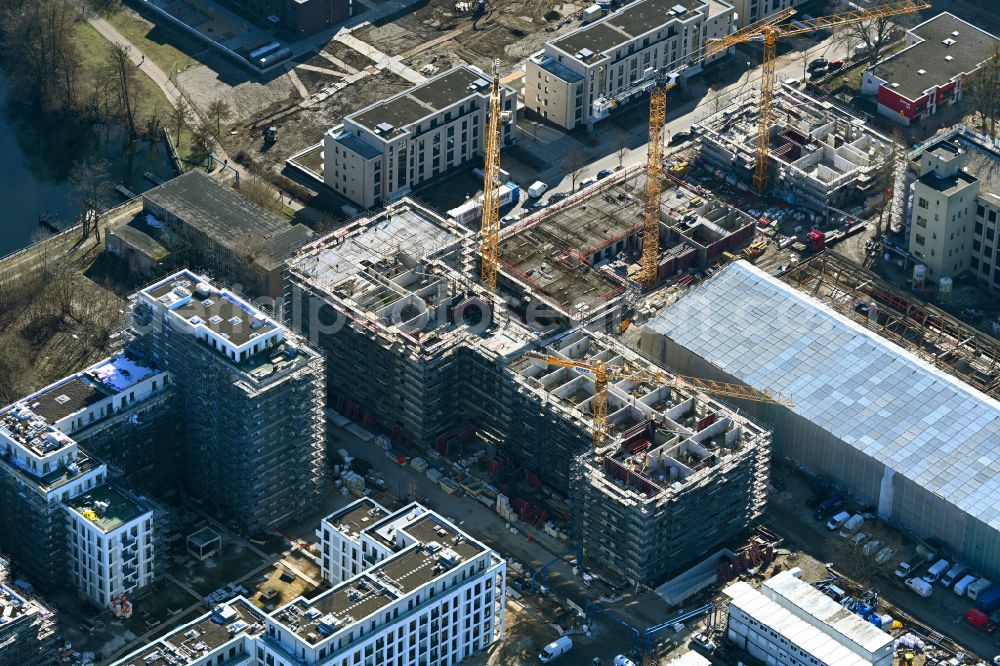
(789, 514)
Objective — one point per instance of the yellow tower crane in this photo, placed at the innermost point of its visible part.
(490, 241)
(654, 184)
(768, 34)
(603, 373)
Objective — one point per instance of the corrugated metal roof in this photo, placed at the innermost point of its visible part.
(798, 632)
(875, 396)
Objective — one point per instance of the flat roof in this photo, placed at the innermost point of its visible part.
(883, 401)
(556, 68)
(106, 507)
(948, 185)
(938, 61)
(626, 24)
(191, 642)
(434, 95)
(358, 516)
(838, 620)
(799, 633)
(225, 216)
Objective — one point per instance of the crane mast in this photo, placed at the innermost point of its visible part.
(490, 237)
(767, 33)
(654, 184)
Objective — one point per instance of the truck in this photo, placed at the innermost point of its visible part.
(977, 588)
(471, 210)
(980, 620)
(989, 600)
(922, 556)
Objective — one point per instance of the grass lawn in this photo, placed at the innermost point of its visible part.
(167, 48)
(94, 55)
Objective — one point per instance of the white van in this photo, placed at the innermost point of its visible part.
(937, 570)
(838, 520)
(537, 189)
(957, 571)
(556, 648)
(622, 660)
(962, 586)
(920, 586)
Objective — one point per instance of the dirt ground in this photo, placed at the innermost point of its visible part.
(510, 30)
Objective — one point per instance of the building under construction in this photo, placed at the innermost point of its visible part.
(577, 258)
(820, 156)
(638, 502)
(27, 632)
(251, 395)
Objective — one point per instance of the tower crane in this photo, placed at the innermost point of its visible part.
(768, 34)
(603, 373)
(490, 238)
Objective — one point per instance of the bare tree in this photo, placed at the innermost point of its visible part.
(42, 34)
(90, 180)
(574, 165)
(219, 111)
(179, 117)
(874, 34)
(622, 150)
(122, 78)
(258, 191)
(204, 139)
(983, 89)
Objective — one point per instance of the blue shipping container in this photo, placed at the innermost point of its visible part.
(989, 600)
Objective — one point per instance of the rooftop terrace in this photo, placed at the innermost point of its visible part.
(626, 24)
(106, 507)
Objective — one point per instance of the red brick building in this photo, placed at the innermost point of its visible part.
(928, 74)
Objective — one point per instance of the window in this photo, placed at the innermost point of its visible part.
(922, 203)
(921, 221)
(993, 216)
(979, 228)
(919, 240)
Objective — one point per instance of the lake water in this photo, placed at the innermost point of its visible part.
(36, 159)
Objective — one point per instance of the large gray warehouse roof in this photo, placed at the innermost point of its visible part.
(863, 389)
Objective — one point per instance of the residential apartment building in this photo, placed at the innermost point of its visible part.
(941, 54)
(111, 544)
(579, 77)
(383, 151)
(429, 594)
(791, 623)
(252, 395)
(955, 202)
(61, 521)
(750, 11)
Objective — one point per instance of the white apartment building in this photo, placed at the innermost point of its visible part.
(751, 11)
(110, 544)
(576, 79)
(790, 623)
(954, 205)
(429, 595)
(383, 151)
(64, 523)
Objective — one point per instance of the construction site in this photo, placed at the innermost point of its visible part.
(821, 156)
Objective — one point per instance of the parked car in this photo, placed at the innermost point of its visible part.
(818, 72)
(956, 572)
(604, 173)
(859, 538)
(678, 138)
(834, 65)
(818, 63)
(852, 525)
(829, 506)
(557, 197)
(920, 586)
(555, 649)
(936, 570)
(587, 182)
(704, 642)
(838, 521)
(872, 547)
